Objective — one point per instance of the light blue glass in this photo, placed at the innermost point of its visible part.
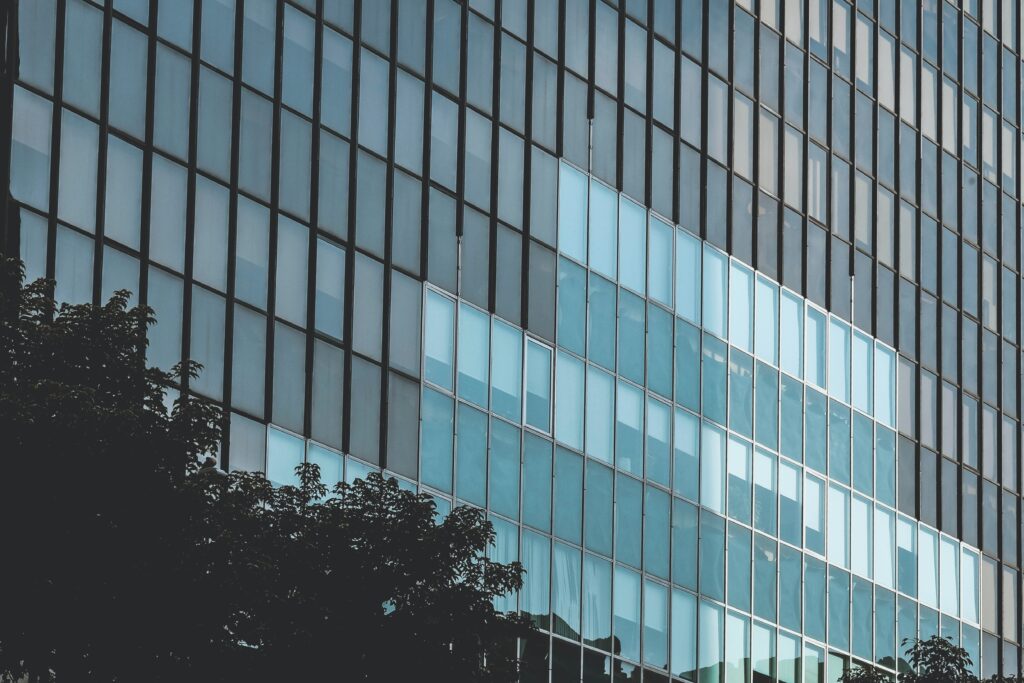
(506, 370)
(568, 495)
(32, 244)
(884, 547)
(538, 386)
(373, 102)
(862, 372)
(739, 567)
(863, 454)
(790, 584)
(684, 544)
(688, 276)
(294, 160)
(657, 538)
(838, 608)
(503, 470)
(712, 556)
(838, 525)
(565, 593)
(861, 528)
(685, 454)
(30, 150)
(710, 647)
(629, 428)
(174, 23)
(600, 423)
(536, 591)
(627, 612)
(765, 553)
(474, 344)
(655, 625)
(712, 468)
(36, 40)
(597, 601)
(713, 388)
(330, 289)
(739, 478)
(252, 252)
(791, 334)
(572, 306)
(572, 212)
(83, 56)
(765, 509)
(839, 442)
(505, 550)
(254, 146)
(716, 291)
(791, 409)
(218, 33)
(766, 405)
(599, 498)
(766, 318)
(814, 598)
(123, 208)
(969, 586)
(816, 431)
(814, 367)
(659, 427)
(660, 262)
(927, 567)
(741, 393)
(906, 556)
(285, 452)
(687, 370)
(885, 625)
(79, 147)
(297, 60)
(602, 305)
(659, 350)
(537, 481)
(684, 634)
(471, 455)
(839, 359)
(604, 230)
(335, 107)
(120, 271)
(292, 264)
(127, 97)
(165, 296)
(790, 503)
(207, 340)
(438, 422)
(885, 466)
(741, 302)
(259, 27)
(631, 336)
(569, 382)
(628, 519)
(632, 245)
(814, 514)
(172, 100)
(214, 128)
(331, 464)
(885, 386)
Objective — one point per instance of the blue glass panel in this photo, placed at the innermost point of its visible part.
(568, 495)
(790, 503)
(506, 370)
(631, 336)
(741, 303)
(572, 306)
(687, 372)
(537, 482)
(284, 453)
(766, 319)
(765, 507)
(712, 556)
(790, 585)
(684, 634)
(628, 519)
(627, 612)
(713, 393)
(712, 468)
(791, 327)
(862, 372)
(814, 366)
(297, 60)
(601, 299)
(655, 625)
(659, 350)
(569, 399)
(685, 466)
(688, 276)
(572, 212)
(503, 472)
(600, 421)
(839, 608)
(814, 598)
(815, 405)
(739, 567)
(684, 544)
(741, 393)
(598, 532)
(656, 532)
(739, 479)
(765, 552)
(839, 360)
(814, 514)
(629, 432)
(597, 601)
(839, 442)
(863, 454)
(766, 405)
(604, 231)
(471, 457)
(565, 594)
(632, 245)
(536, 591)
(436, 440)
(716, 291)
(474, 334)
(660, 262)
(659, 429)
(258, 53)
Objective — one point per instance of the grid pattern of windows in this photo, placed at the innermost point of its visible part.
(278, 178)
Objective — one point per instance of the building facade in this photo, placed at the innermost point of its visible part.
(711, 304)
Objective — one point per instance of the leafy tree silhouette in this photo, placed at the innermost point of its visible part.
(129, 556)
(934, 660)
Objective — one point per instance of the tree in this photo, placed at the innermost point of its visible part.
(934, 660)
(130, 556)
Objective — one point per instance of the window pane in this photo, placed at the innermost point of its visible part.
(506, 370)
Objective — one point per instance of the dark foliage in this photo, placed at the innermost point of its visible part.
(128, 558)
(935, 660)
